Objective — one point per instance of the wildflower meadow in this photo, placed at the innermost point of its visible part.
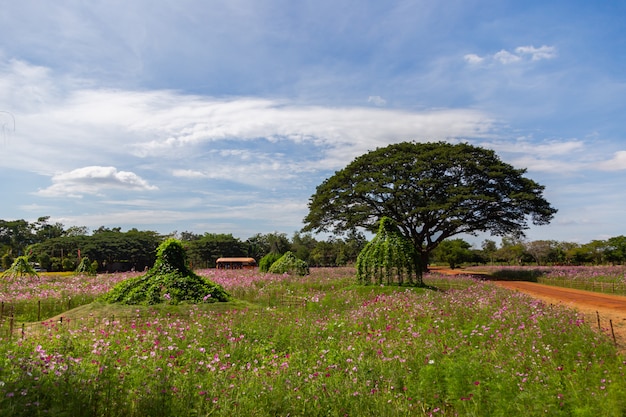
(318, 345)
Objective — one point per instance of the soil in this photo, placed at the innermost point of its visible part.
(602, 311)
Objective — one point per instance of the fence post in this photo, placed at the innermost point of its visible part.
(38, 310)
(598, 316)
(613, 332)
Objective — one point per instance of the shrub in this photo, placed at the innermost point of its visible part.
(85, 267)
(169, 281)
(289, 264)
(388, 258)
(268, 260)
(20, 267)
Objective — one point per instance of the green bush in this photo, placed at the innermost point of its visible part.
(268, 260)
(389, 258)
(289, 264)
(169, 281)
(85, 267)
(20, 267)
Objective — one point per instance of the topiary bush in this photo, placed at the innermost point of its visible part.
(268, 260)
(389, 258)
(169, 281)
(85, 267)
(20, 267)
(289, 264)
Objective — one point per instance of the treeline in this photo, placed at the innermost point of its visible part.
(56, 248)
(539, 252)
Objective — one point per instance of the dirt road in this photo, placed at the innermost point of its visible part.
(609, 308)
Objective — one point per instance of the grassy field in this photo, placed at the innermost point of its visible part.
(309, 346)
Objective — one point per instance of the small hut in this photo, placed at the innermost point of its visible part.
(235, 263)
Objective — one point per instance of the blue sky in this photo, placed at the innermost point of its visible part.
(223, 117)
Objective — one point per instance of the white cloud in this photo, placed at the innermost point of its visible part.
(377, 100)
(505, 57)
(520, 54)
(617, 163)
(473, 58)
(93, 180)
(543, 52)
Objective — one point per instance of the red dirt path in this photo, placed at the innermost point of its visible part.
(610, 308)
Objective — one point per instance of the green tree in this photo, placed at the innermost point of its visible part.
(15, 236)
(205, 250)
(616, 250)
(511, 250)
(454, 252)
(489, 248)
(432, 191)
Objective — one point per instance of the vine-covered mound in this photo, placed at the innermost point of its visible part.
(20, 267)
(389, 258)
(289, 264)
(168, 281)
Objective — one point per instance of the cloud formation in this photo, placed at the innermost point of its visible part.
(94, 180)
(519, 54)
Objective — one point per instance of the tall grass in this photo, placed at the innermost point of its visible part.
(341, 349)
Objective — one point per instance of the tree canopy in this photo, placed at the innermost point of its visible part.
(432, 191)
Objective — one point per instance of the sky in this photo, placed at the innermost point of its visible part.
(224, 116)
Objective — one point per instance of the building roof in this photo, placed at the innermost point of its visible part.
(249, 260)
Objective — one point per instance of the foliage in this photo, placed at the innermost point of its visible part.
(86, 267)
(289, 264)
(454, 252)
(268, 260)
(204, 250)
(112, 249)
(433, 191)
(20, 267)
(169, 281)
(389, 258)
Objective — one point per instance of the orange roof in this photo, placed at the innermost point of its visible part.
(249, 260)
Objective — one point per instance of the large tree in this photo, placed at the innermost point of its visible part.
(432, 191)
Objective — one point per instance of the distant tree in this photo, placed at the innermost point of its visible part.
(432, 191)
(204, 251)
(76, 231)
(597, 250)
(541, 250)
(489, 248)
(616, 249)
(44, 230)
(511, 250)
(454, 252)
(15, 236)
(302, 246)
(260, 245)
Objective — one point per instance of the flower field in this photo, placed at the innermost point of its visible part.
(312, 346)
(603, 278)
